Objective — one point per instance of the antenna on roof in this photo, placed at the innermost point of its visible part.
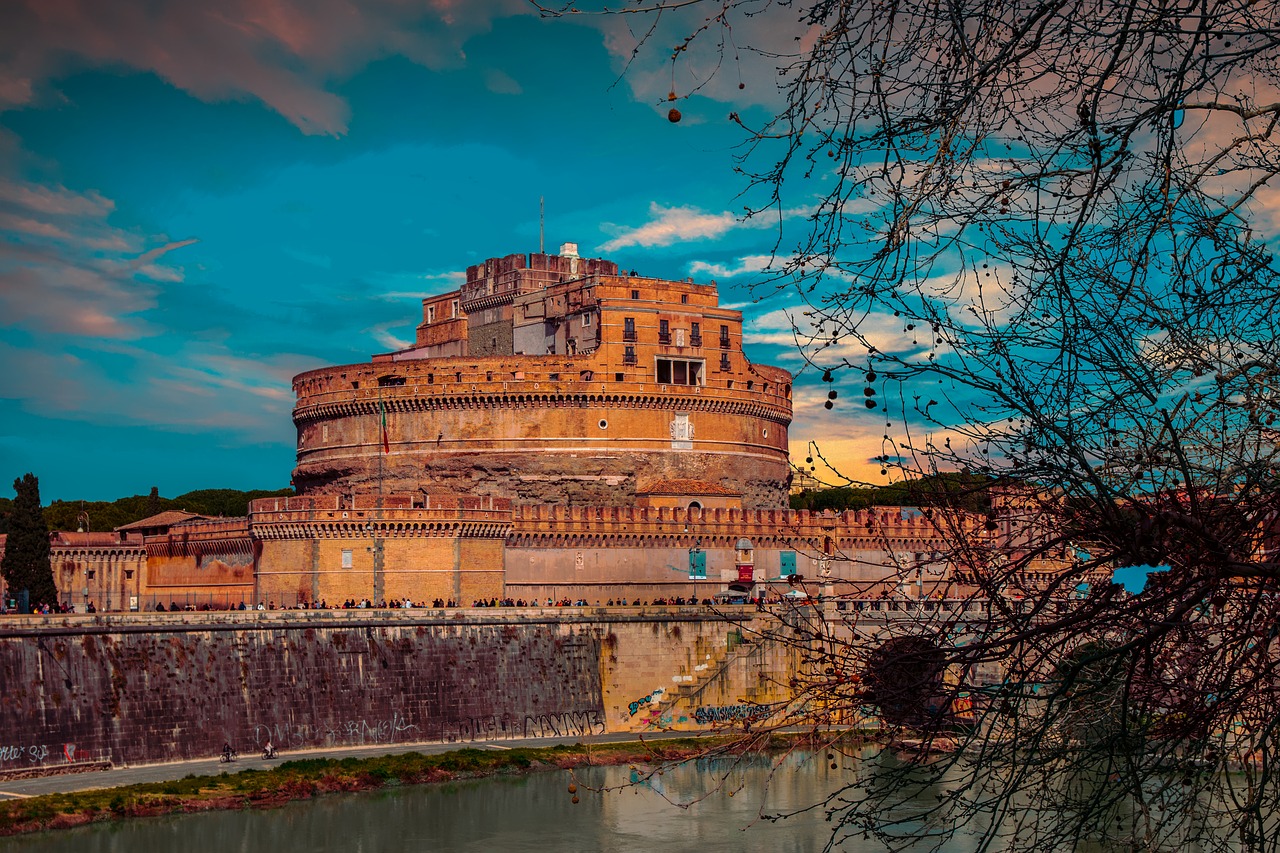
(541, 226)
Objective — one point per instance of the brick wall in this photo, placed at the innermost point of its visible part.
(164, 687)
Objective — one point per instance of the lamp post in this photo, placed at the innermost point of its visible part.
(82, 526)
(376, 550)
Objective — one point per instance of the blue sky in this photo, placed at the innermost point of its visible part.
(198, 201)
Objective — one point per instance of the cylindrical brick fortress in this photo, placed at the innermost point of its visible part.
(504, 427)
(553, 379)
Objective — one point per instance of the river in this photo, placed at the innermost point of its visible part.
(511, 814)
(708, 806)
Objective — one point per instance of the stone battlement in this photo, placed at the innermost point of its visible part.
(526, 382)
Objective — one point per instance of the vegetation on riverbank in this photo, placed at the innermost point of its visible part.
(306, 778)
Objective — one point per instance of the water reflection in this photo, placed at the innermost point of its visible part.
(689, 808)
(531, 813)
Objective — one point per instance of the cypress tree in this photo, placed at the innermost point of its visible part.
(26, 552)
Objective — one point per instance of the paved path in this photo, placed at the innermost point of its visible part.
(120, 776)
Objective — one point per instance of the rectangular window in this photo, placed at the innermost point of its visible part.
(675, 371)
(695, 334)
(431, 313)
(724, 337)
(664, 331)
(628, 328)
(586, 320)
(684, 299)
(635, 294)
(453, 308)
(629, 355)
(346, 558)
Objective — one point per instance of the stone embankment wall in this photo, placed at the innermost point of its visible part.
(165, 687)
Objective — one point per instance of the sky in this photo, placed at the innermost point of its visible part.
(200, 200)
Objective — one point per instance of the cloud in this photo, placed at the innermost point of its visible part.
(202, 387)
(501, 83)
(713, 65)
(747, 265)
(668, 225)
(283, 53)
(382, 334)
(65, 268)
(802, 338)
(403, 285)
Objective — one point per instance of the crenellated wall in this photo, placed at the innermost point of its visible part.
(107, 569)
(333, 548)
(212, 559)
(175, 686)
(631, 552)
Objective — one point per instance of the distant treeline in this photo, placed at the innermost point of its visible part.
(959, 491)
(108, 515)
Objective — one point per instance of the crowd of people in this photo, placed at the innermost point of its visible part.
(160, 606)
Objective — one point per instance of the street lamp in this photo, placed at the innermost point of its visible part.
(376, 550)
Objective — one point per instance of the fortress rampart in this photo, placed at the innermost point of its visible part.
(166, 687)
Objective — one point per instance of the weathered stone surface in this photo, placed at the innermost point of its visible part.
(164, 687)
(138, 696)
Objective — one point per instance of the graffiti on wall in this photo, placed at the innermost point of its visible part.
(358, 732)
(34, 754)
(634, 707)
(558, 724)
(565, 724)
(709, 714)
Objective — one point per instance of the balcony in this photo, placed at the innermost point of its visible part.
(724, 361)
(664, 337)
(724, 342)
(695, 340)
(629, 355)
(629, 335)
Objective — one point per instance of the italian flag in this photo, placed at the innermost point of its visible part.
(386, 442)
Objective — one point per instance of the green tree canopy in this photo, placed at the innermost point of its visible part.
(107, 515)
(26, 554)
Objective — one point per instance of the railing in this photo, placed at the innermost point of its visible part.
(629, 356)
(664, 337)
(629, 335)
(724, 361)
(724, 342)
(695, 340)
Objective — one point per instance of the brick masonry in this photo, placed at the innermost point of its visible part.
(169, 687)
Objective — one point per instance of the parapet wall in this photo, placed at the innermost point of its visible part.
(164, 687)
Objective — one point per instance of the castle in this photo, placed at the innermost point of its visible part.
(558, 430)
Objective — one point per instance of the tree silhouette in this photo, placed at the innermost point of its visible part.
(1035, 235)
(25, 564)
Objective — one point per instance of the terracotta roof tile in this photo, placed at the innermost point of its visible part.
(685, 487)
(168, 518)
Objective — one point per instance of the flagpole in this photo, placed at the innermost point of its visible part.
(382, 445)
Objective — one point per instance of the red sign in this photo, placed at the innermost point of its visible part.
(744, 574)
